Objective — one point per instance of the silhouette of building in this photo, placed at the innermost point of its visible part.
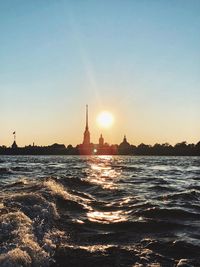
(14, 145)
(124, 148)
(101, 141)
(86, 148)
(102, 148)
(86, 137)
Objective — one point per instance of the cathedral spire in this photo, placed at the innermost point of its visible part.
(86, 137)
(86, 127)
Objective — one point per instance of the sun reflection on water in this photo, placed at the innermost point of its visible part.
(101, 172)
(107, 217)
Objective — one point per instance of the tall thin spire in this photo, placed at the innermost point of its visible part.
(86, 138)
(86, 127)
(14, 145)
(14, 134)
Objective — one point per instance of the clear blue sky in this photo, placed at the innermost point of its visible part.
(139, 59)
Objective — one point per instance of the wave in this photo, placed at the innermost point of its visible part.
(187, 195)
(175, 249)
(4, 171)
(27, 228)
(60, 216)
(169, 214)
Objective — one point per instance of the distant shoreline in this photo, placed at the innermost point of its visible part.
(69, 155)
(180, 149)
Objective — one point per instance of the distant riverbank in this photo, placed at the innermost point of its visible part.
(180, 149)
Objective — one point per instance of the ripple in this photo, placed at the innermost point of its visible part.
(99, 211)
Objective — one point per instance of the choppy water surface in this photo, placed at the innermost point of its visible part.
(99, 211)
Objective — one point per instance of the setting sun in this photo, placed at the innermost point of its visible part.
(105, 119)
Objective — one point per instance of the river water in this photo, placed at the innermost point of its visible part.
(99, 211)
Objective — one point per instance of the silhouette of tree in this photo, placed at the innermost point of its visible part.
(143, 149)
(179, 149)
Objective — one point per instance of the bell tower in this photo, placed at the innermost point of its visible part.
(101, 141)
(86, 137)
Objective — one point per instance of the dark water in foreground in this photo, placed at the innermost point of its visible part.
(99, 211)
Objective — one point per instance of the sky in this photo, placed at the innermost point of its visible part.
(140, 60)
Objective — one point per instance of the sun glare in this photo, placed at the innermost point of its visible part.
(105, 119)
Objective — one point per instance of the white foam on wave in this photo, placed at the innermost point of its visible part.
(32, 204)
(58, 190)
(24, 246)
(29, 237)
(15, 258)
